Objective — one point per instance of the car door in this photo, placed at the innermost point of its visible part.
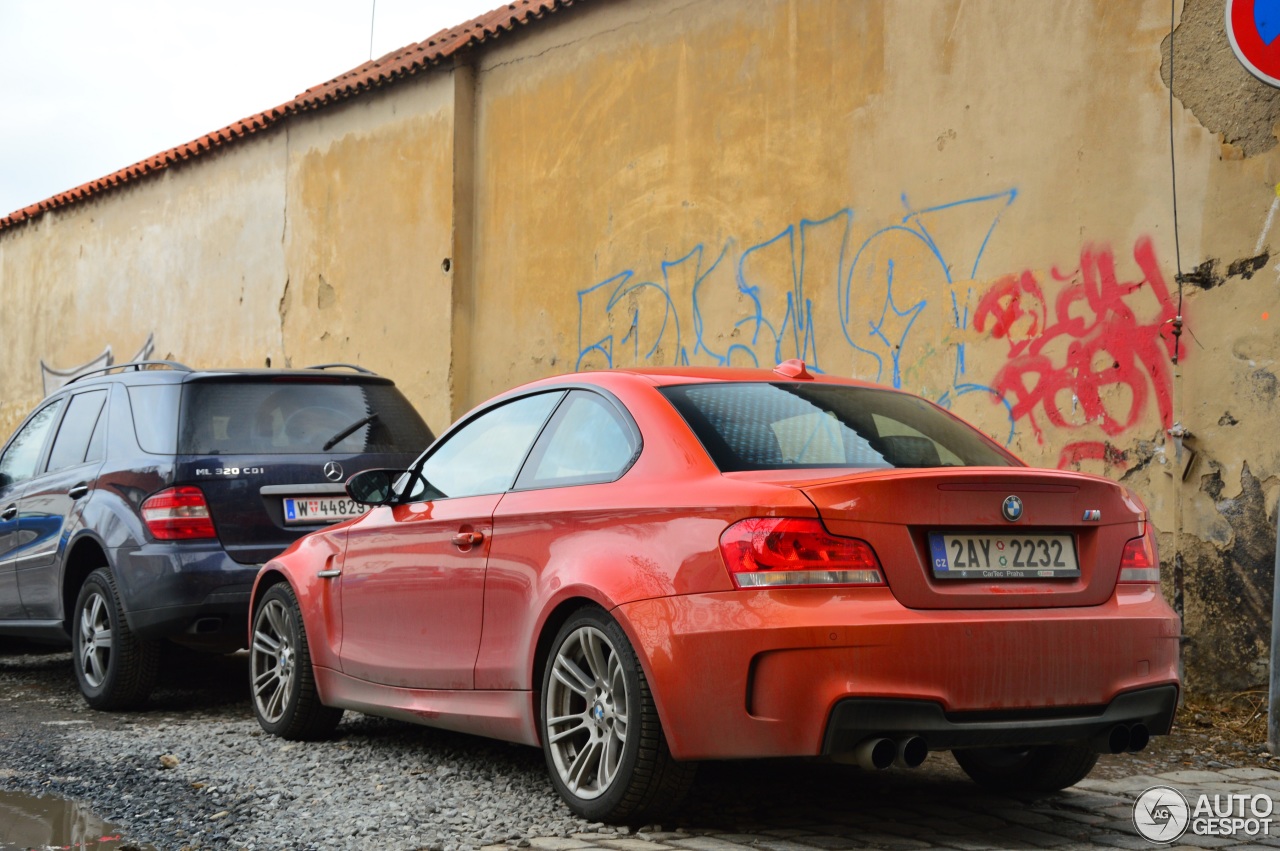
(412, 580)
(23, 454)
(51, 505)
(562, 508)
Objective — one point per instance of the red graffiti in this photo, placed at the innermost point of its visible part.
(1104, 349)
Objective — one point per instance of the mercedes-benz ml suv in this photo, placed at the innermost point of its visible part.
(138, 502)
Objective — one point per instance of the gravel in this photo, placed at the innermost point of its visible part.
(196, 770)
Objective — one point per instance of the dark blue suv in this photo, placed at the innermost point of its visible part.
(138, 501)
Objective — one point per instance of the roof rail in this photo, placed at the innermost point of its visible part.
(359, 369)
(136, 366)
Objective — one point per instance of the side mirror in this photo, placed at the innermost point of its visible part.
(373, 487)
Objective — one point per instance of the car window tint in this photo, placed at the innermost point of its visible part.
(72, 443)
(587, 441)
(771, 426)
(155, 417)
(19, 460)
(97, 450)
(484, 455)
(298, 416)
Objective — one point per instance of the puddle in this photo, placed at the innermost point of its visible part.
(28, 822)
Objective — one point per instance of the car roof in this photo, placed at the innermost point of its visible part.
(793, 370)
(169, 372)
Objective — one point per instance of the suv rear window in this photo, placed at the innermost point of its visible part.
(768, 426)
(248, 418)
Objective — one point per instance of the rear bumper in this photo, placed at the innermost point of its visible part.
(192, 592)
(765, 673)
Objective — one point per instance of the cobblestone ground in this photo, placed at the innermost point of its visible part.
(936, 808)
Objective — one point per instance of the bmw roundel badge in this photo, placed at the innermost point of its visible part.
(1011, 509)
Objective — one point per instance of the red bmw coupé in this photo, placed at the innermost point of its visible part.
(639, 569)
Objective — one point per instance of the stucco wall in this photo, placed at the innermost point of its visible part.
(969, 200)
(370, 199)
(191, 259)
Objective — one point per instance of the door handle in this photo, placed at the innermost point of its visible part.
(330, 573)
(10, 512)
(78, 491)
(467, 539)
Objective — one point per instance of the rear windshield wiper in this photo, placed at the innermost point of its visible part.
(346, 432)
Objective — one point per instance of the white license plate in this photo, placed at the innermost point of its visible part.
(324, 509)
(960, 555)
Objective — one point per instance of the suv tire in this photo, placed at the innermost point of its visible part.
(114, 669)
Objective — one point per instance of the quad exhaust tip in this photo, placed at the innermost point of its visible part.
(1123, 738)
(877, 753)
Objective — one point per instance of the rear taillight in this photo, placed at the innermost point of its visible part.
(1138, 562)
(178, 514)
(767, 552)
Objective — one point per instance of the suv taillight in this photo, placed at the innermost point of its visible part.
(1138, 562)
(178, 514)
(768, 552)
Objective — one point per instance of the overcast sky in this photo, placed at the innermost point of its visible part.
(88, 87)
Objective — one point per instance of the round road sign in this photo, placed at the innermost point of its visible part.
(1254, 29)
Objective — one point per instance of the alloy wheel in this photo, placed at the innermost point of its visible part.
(95, 639)
(586, 712)
(273, 662)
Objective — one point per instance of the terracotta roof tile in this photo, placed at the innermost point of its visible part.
(393, 67)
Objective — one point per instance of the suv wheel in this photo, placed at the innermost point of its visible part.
(114, 668)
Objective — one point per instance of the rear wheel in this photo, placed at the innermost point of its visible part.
(285, 697)
(1046, 768)
(114, 668)
(603, 742)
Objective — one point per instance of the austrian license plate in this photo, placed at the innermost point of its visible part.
(324, 509)
(961, 555)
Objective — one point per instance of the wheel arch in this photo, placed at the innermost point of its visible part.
(557, 618)
(551, 625)
(85, 555)
(267, 579)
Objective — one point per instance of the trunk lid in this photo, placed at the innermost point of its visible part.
(913, 517)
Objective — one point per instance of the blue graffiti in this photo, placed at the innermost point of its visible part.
(705, 308)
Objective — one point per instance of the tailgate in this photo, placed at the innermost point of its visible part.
(261, 504)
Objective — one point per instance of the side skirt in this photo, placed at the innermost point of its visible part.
(505, 715)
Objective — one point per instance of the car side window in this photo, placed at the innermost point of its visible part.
(71, 446)
(19, 461)
(587, 441)
(484, 455)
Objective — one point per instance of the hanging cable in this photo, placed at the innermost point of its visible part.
(373, 14)
(1173, 181)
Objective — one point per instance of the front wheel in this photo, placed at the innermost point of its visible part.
(1046, 768)
(114, 668)
(603, 742)
(285, 697)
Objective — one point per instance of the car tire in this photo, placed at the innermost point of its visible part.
(281, 680)
(114, 668)
(601, 736)
(1046, 768)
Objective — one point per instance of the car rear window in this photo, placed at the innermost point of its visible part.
(779, 426)
(307, 416)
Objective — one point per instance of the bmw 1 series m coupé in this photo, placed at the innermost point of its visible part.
(639, 569)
